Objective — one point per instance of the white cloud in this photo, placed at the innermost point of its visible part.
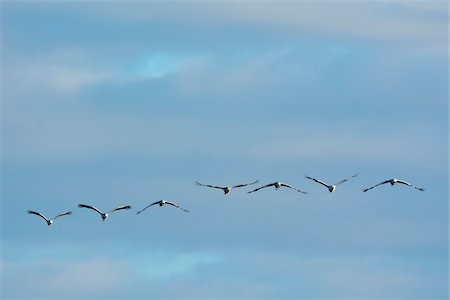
(65, 279)
(367, 20)
(62, 71)
(383, 145)
(158, 65)
(386, 20)
(166, 266)
(345, 275)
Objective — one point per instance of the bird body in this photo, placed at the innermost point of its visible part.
(162, 203)
(226, 189)
(103, 214)
(394, 181)
(331, 188)
(49, 221)
(277, 185)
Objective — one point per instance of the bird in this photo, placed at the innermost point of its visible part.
(162, 203)
(277, 185)
(104, 215)
(50, 221)
(331, 188)
(395, 181)
(227, 189)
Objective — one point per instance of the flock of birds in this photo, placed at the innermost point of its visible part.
(226, 190)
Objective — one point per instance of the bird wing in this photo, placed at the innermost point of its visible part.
(318, 181)
(344, 180)
(120, 208)
(409, 184)
(261, 187)
(157, 202)
(245, 184)
(38, 214)
(177, 206)
(211, 186)
(291, 187)
(62, 214)
(90, 207)
(365, 190)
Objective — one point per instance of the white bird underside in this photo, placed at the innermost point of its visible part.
(331, 188)
(394, 181)
(226, 189)
(162, 203)
(104, 215)
(49, 221)
(277, 185)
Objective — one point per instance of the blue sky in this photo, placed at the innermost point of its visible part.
(113, 103)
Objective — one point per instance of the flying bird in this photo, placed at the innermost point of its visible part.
(50, 221)
(277, 185)
(162, 203)
(395, 181)
(331, 188)
(226, 189)
(104, 215)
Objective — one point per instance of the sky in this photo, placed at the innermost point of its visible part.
(114, 103)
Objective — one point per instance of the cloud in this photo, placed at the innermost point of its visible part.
(47, 278)
(344, 275)
(67, 71)
(63, 273)
(158, 65)
(167, 266)
(401, 20)
(352, 143)
(364, 20)
(62, 71)
(232, 74)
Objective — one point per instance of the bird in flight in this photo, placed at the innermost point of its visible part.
(50, 221)
(162, 203)
(277, 185)
(331, 188)
(226, 189)
(104, 215)
(395, 181)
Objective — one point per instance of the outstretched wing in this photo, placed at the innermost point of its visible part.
(344, 180)
(291, 187)
(211, 186)
(90, 207)
(62, 214)
(38, 214)
(384, 182)
(120, 208)
(318, 181)
(409, 184)
(267, 185)
(157, 202)
(245, 184)
(177, 206)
